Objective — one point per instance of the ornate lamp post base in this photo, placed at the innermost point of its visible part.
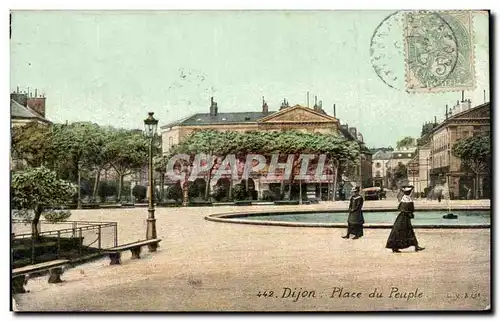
(151, 233)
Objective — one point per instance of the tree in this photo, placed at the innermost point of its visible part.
(406, 142)
(400, 173)
(128, 150)
(425, 134)
(160, 166)
(220, 144)
(475, 154)
(76, 145)
(33, 144)
(37, 192)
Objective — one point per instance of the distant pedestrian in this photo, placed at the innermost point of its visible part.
(355, 220)
(402, 234)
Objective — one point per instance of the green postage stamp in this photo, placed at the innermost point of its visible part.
(439, 53)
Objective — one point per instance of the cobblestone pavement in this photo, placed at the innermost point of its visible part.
(210, 266)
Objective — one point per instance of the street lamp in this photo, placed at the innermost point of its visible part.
(150, 126)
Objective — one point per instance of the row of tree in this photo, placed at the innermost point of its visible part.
(342, 154)
(81, 150)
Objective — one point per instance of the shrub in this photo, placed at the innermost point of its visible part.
(139, 192)
(239, 192)
(174, 192)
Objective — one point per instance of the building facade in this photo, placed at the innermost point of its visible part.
(460, 122)
(380, 168)
(25, 108)
(297, 117)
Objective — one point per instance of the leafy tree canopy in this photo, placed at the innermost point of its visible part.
(406, 142)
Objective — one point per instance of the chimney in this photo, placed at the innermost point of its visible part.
(466, 104)
(308, 99)
(462, 96)
(435, 120)
(37, 104)
(213, 107)
(315, 107)
(334, 111)
(265, 108)
(20, 98)
(446, 113)
(353, 132)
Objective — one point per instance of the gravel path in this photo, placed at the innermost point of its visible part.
(210, 266)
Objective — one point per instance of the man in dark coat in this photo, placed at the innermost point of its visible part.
(355, 220)
(402, 234)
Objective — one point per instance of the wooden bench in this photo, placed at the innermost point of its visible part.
(114, 253)
(54, 267)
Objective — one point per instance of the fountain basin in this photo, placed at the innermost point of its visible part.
(373, 219)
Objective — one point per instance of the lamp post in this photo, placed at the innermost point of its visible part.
(150, 126)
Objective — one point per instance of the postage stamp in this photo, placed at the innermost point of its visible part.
(439, 53)
(250, 161)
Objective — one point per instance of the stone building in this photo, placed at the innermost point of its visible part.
(461, 121)
(26, 107)
(380, 167)
(296, 117)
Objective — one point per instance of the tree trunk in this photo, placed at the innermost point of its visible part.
(185, 195)
(300, 191)
(162, 187)
(79, 202)
(477, 186)
(207, 187)
(35, 232)
(96, 184)
(209, 178)
(120, 184)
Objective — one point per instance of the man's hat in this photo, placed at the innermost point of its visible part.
(355, 189)
(407, 188)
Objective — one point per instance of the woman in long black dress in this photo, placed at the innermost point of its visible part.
(355, 220)
(402, 234)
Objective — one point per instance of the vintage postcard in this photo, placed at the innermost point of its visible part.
(255, 161)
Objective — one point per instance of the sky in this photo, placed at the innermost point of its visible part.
(113, 67)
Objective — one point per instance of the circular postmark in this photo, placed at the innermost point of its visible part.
(387, 51)
(411, 50)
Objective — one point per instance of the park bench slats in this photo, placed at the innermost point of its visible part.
(114, 253)
(38, 267)
(19, 278)
(128, 246)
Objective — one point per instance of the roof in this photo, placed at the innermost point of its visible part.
(458, 115)
(382, 155)
(220, 118)
(403, 153)
(24, 112)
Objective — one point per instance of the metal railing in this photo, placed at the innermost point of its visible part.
(79, 239)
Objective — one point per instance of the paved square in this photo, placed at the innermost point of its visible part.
(210, 266)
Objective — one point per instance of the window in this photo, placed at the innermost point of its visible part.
(378, 174)
(399, 155)
(378, 165)
(409, 155)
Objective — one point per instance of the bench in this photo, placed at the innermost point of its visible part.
(19, 275)
(114, 253)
